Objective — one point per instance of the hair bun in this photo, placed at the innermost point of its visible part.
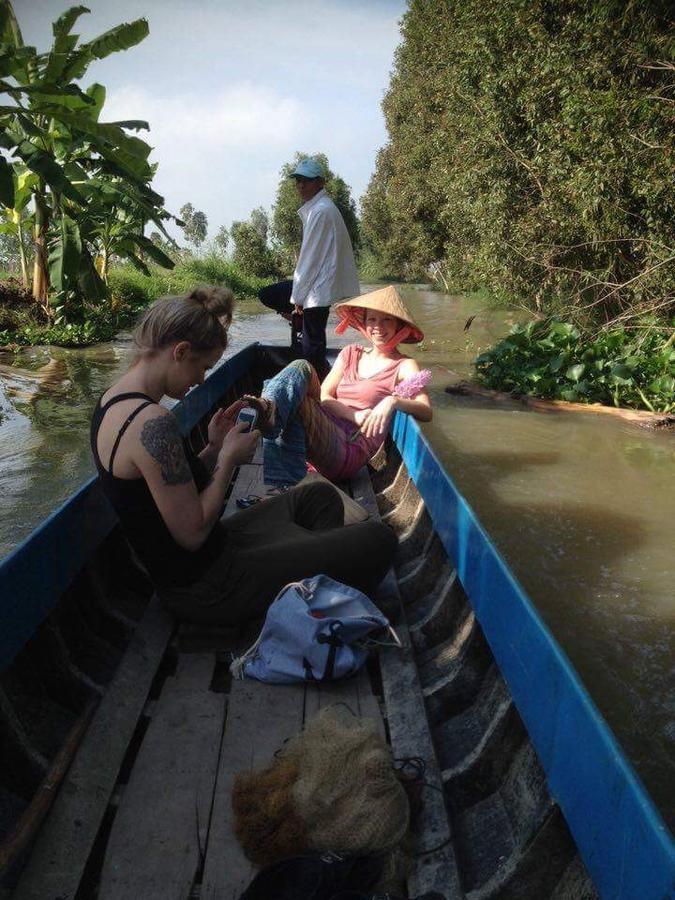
(216, 300)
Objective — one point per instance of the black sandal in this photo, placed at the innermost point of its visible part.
(250, 500)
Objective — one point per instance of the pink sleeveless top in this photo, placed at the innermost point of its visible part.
(364, 393)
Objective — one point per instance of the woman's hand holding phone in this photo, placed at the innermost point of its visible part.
(240, 443)
(221, 422)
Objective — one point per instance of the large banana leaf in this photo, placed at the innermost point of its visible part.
(119, 38)
(44, 88)
(25, 183)
(64, 256)
(111, 141)
(76, 101)
(63, 25)
(153, 251)
(10, 33)
(97, 93)
(46, 166)
(90, 284)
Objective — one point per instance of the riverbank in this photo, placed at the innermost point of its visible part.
(640, 417)
(24, 322)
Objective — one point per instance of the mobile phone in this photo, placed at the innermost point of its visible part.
(249, 416)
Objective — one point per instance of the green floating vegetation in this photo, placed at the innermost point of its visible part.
(556, 360)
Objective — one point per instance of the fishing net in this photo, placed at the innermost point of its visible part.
(346, 791)
(267, 824)
(332, 787)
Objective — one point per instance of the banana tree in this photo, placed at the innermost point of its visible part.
(51, 127)
(113, 226)
(18, 220)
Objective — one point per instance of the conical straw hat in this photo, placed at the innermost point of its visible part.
(385, 300)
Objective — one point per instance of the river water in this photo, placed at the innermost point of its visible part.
(581, 506)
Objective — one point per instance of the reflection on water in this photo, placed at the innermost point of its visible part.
(580, 506)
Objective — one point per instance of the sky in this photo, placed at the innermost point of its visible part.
(232, 88)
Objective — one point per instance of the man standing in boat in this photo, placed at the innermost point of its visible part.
(325, 271)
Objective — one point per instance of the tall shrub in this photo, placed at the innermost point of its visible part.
(531, 150)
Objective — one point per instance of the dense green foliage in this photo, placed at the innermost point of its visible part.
(81, 186)
(286, 224)
(550, 358)
(24, 323)
(252, 253)
(531, 151)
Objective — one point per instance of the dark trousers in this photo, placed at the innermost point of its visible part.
(278, 297)
(289, 537)
(312, 324)
(314, 338)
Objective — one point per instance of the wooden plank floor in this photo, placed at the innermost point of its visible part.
(157, 839)
(260, 719)
(58, 860)
(172, 834)
(434, 867)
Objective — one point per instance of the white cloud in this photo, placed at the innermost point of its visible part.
(233, 88)
(220, 151)
(240, 116)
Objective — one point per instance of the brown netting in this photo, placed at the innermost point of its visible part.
(347, 792)
(332, 787)
(267, 824)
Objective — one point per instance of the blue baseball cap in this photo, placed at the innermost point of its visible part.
(308, 168)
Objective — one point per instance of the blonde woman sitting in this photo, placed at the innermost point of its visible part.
(169, 499)
(339, 425)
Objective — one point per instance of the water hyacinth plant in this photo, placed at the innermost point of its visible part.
(616, 367)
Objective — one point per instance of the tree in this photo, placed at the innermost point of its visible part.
(113, 225)
(52, 130)
(195, 224)
(222, 239)
(286, 224)
(530, 151)
(377, 231)
(261, 222)
(251, 252)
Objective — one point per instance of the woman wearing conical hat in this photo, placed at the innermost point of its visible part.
(339, 425)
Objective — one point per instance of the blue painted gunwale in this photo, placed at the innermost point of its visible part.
(623, 841)
(37, 572)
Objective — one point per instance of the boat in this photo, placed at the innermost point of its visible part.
(121, 730)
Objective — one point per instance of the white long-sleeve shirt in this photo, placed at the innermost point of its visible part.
(326, 270)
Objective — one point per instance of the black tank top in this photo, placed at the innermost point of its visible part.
(168, 563)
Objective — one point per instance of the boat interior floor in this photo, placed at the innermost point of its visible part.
(144, 810)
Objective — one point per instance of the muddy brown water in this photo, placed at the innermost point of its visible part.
(580, 506)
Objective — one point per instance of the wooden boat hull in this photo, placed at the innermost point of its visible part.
(537, 797)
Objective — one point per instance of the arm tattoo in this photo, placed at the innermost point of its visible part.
(161, 438)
